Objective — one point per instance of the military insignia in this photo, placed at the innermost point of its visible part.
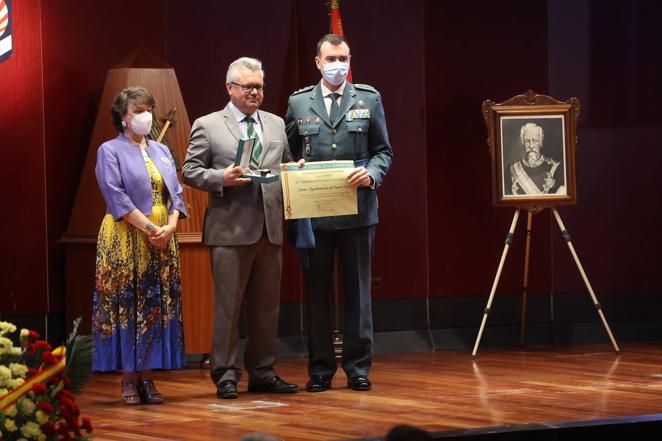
(353, 114)
(305, 89)
(165, 160)
(365, 87)
(361, 104)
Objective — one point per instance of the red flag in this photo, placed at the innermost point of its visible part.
(336, 25)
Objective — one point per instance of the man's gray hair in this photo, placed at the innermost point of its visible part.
(531, 126)
(243, 63)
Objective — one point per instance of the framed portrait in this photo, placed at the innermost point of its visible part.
(532, 141)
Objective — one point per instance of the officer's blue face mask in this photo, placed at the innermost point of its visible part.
(336, 72)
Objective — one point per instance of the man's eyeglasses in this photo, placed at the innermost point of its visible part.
(247, 88)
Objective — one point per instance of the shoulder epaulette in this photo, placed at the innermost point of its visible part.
(305, 89)
(365, 87)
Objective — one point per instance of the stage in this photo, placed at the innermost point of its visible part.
(498, 395)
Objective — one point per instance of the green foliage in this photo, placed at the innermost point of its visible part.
(79, 358)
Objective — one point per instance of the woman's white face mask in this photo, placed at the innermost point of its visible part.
(141, 123)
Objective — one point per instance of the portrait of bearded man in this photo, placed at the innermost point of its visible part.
(534, 173)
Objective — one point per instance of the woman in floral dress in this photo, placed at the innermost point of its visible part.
(137, 318)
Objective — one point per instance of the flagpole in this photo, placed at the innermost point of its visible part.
(335, 27)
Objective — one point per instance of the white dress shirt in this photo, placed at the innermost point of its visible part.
(326, 94)
(243, 125)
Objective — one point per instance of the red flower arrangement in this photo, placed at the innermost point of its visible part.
(37, 385)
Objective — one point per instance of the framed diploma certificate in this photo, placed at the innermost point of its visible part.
(318, 189)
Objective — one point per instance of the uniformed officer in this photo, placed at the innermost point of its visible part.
(534, 174)
(336, 119)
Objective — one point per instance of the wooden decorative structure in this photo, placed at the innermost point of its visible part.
(141, 68)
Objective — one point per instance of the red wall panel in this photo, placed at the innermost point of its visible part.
(434, 63)
(200, 50)
(390, 55)
(82, 40)
(472, 54)
(23, 243)
(615, 227)
(285, 41)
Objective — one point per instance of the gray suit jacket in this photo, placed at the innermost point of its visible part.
(236, 215)
(360, 135)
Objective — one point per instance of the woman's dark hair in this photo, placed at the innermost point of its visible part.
(136, 95)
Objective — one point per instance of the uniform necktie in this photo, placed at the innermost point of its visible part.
(335, 109)
(257, 145)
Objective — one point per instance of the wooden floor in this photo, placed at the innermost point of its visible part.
(438, 391)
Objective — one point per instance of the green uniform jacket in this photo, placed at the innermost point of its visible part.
(360, 135)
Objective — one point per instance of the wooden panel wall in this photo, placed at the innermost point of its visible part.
(606, 47)
(82, 40)
(23, 242)
(475, 53)
(434, 62)
(389, 56)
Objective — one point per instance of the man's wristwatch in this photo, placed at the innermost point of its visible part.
(150, 227)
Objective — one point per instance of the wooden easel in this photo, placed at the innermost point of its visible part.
(508, 242)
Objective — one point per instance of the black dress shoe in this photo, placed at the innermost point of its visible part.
(318, 383)
(276, 385)
(227, 389)
(360, 382)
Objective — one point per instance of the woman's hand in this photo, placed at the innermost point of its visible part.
(162, 237)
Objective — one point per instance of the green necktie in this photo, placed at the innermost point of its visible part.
(257, 145)
(335, 109)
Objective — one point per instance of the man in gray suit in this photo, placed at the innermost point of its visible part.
(336, 119)
(242, 228)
